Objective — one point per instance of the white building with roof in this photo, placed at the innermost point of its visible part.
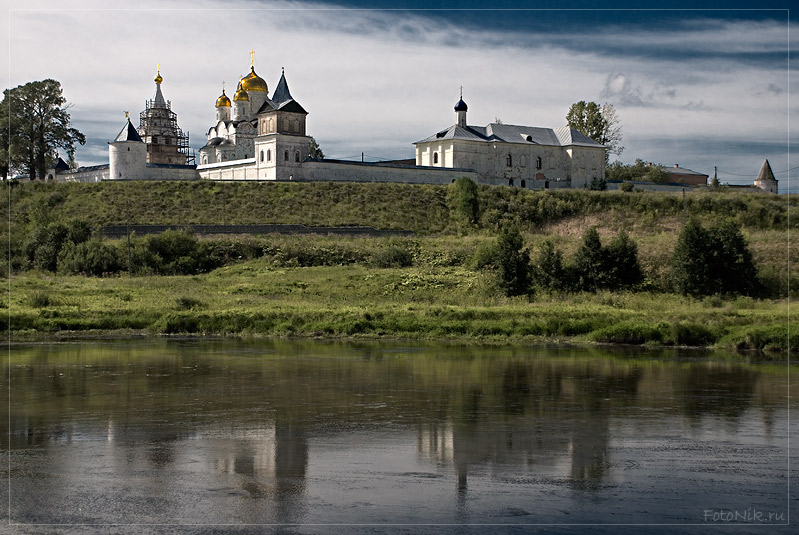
(524, 156)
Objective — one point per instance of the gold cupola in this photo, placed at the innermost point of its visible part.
(223, 100)
(241, 94)
(253, 82)
(158, 79)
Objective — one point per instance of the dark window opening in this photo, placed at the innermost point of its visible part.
(509, 161)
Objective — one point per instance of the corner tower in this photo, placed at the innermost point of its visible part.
(127, 155)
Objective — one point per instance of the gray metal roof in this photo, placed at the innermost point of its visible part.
(128, 133)
(509, 133)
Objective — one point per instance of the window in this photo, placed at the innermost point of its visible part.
(262, 156)
(538, 163)
(268, 155)
(166, 141)
(297, 156)
(509, 161)
(435, 158)
(510, 182)
(522, 161)
(546, 184)
(286, 155)
(128, 149)
(155, 140)
(524, 184)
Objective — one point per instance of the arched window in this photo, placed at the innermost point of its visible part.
(546, 184)
(435, 158)
(262, 156)
(509, 161)
(297, 156)
(286, 155)
(510, 182)
(524, 184)
(522, 161)
(268, 155)
(538, 164)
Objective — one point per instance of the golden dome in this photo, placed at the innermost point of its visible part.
(241, 94)
(158, 79)
(223, 100)
(253, 82)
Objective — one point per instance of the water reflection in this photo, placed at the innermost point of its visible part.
(269, 432)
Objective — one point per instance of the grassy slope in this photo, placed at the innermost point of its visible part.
(438, 297)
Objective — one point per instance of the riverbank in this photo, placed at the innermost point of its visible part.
(257, 299)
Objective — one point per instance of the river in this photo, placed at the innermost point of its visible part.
(229, 436)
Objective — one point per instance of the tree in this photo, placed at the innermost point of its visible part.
(36, 117)
(622, 268)
(600, 123)
(463, 200)
(314, 151)
(549, 272)
(513, 263)
(712, 261)
(589, 262)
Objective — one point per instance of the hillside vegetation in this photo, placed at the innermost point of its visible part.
(427, 285)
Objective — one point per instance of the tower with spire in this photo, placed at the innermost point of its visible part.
(765, 179)
(158, 128)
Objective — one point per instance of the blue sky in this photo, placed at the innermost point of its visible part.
(699, 87)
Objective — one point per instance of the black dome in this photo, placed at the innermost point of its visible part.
(461, 106)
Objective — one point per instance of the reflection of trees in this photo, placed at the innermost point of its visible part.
(723, 390)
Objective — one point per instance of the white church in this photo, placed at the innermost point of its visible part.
(261, 137)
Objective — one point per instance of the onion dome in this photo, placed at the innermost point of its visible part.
(223, 100)
(461, 106)
(241, 94)
(158, 79)
(253, 82)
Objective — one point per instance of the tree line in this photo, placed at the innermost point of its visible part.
(705, 261)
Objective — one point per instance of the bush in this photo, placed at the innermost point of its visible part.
(90, 258)
(626, 187)
(392, 256)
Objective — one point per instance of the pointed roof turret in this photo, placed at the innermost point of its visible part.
(765, 172)
(128, 133)
(159, 100)
(282, 93)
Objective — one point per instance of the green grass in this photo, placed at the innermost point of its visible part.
(444, 302)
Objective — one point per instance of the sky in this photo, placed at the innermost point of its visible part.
(705, 88)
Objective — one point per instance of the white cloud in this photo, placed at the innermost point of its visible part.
(376, 81)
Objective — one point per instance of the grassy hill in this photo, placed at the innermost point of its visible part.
(332, 286)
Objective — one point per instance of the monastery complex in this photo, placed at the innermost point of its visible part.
(263, 137)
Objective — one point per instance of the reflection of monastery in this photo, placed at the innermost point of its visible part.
(261, 137)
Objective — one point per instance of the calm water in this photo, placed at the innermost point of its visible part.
(228, 436)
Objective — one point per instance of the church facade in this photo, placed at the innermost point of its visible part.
(261, 136)
(523, 156)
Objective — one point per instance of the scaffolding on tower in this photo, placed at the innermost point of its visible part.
(158, 125)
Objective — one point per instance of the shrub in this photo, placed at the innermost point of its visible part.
(392, 256)
(90, 258)
(621, 267)
(626, 187)
(40, 300)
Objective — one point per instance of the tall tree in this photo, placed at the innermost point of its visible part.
(600, 123)
(37, 124)
(314, 150)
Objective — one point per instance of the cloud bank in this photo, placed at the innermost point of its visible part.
(375, 81)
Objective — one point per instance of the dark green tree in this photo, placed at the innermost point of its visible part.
(513, 263)
(463, 201)
(622, 269)
(314, 150)
(548, 270)
(589, 262)
(712, 261)
(36, 117)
